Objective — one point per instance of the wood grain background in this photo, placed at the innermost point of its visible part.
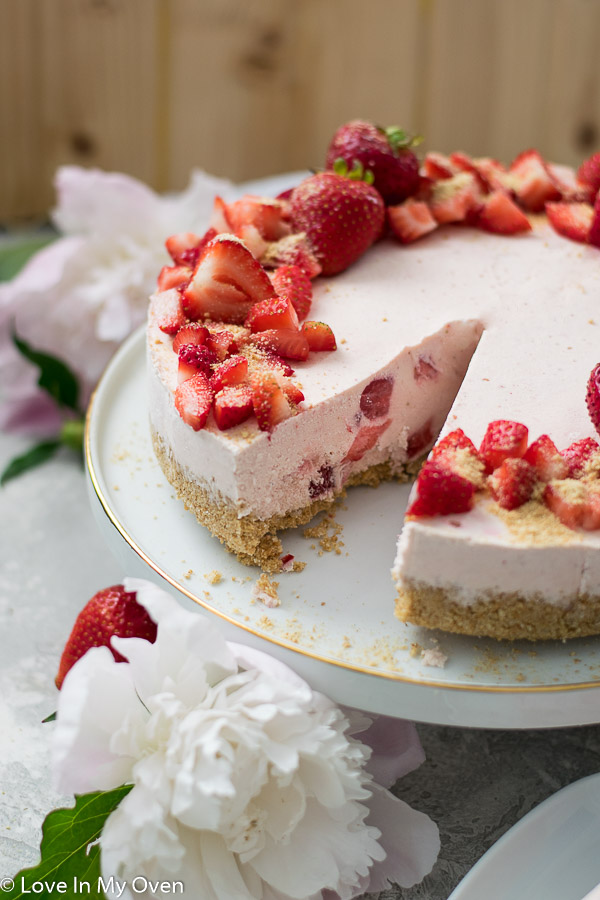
(244, 88)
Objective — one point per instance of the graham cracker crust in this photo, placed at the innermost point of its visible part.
(254, 541)
(504, 616)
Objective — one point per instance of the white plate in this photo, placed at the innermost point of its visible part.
(551, 854)
(335, 625)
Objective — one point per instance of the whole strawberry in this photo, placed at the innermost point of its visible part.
(340, 214)
(112, 611)
(386, 152)
(592, 398)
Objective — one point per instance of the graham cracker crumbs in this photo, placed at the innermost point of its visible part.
(298, 566)
(346, 642)
(534, 524)
(468, 466)
(265, 591)
(591, 321)
(415, 649)
(327, 533)
(434, 657)
(214, 577)
(187, 575)
(266, 623)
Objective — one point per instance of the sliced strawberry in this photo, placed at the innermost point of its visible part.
(292, 391)
(253, 240)
(293, 250)
(455, 440)
(273, 360)
(276, 312)
(440, 492)
(232, 406)
(566, 183)
(270, 403)
(173, 276)
(462, 162)
(183, 247)
(567, 499)
(319, 336)
(411, 220)
(293, 284)
(493, 174)
(227, 281)
(591, 515)
(233, 371)
(532, 182)
(594, 233)
(266, 215)
(190, 334)
(571, 220)
(453, 199)
(193, 400)
(284, 342)
(592, 397)
(437, 166)
(365, 439)
(545, 457)
(501, 215)
(219, 219)
(194, 358)
(503, 439)
(578, 454)
(224, 342)
(512, 483)
(589, 173)
(420, 440)
(171, 316)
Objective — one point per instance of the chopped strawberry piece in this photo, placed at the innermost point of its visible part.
(440, 492)
(219, 219)
(501, 215)
(411, 220)
(425, 370)
(589, 173)
(270, 403)
(194, 358)
(375, 398)
(292, 391)
(193, 400)
(512, 483)
(532, 182)
(233, 371)
(571, 220)
(319, 336)
(232, 406)
(591, 515)
(494, 175)
(183, 248)
(293, 284)
(276, 312)
(224, 342)
(253, 240)
(546, 459)
(567, 499)
(173, 276)
(420, 440)
(453, 199)
(366, 438)
(570, 189)
(285, 342)
(171, 316)
(578, 454)
(274, 361)
(592, 397)
(437, 166)
(227, 281)
(594, 233)
(266, 215)
(503, 439)
(293, 250)
(190, 334)
(462, 162)
(455, 440)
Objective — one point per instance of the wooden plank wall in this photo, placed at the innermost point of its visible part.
(245, 88)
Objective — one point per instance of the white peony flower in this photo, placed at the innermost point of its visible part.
(248, 785)
(83, 294)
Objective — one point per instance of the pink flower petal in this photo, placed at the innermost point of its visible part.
(396, 749)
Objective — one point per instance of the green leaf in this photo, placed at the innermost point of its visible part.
(15, 253)
(50, 718)
(55, 376)
(71, 435)
(66, 852)
(39, 454)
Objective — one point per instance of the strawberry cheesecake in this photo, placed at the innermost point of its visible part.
(327, 337)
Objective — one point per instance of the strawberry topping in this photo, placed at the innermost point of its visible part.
(232, 406)
(193, 401)
(500, 215)
(293, 284)
(190, 334)
(194, 358)
(270, 403)
(276, 312)
(319, 336)
(172, 317)
(512, 483)
(231, 372)
(285, 342)
(439, 492)
(546, 459)
(589, 173)
(533, 184)
(571, 220)
(578, 454)
(592, 397)
(411, 220)
(503, 439)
